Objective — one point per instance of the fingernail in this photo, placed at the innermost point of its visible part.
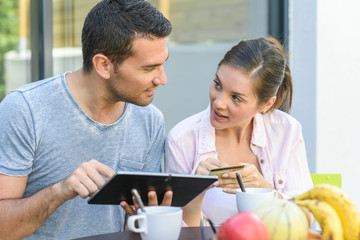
(225, 175)
(216, 184)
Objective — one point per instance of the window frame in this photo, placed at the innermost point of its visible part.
(41, 35)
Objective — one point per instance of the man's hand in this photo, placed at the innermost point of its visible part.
(20, 216)
(85, 180)
(152, 201)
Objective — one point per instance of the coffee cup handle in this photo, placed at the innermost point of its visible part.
(141, 222)
(275, 194)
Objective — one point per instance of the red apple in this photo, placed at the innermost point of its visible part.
(243, 226)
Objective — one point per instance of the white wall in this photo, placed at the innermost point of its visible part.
(337, 63)
(302, 50)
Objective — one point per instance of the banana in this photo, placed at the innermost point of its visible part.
(326, 216)
(343, 205)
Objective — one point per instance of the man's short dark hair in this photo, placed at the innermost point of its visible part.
(111, 26)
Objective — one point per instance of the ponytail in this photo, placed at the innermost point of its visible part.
(285, 91)
(284, 94)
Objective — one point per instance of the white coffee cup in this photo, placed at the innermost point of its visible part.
(249, 200)
(157, 222)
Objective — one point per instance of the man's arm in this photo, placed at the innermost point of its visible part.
(20, 217)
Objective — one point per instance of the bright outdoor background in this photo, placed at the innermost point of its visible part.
(324, 52)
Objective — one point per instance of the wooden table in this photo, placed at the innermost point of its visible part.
(187, 233)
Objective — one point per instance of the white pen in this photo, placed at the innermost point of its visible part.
(138, 199)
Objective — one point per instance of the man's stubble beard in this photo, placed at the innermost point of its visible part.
(113, 96)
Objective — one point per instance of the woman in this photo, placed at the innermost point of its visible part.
(246, 122)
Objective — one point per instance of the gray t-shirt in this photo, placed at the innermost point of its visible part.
(45, 134)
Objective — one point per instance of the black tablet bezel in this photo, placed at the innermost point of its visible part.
(118, 188)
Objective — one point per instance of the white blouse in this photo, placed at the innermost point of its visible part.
(277, 141)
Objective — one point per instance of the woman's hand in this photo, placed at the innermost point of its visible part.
(205, 166)
(250, 175)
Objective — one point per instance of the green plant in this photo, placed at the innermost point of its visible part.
(8, 35)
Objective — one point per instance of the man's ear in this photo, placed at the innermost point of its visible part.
(102, 65)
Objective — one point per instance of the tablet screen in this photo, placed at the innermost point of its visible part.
(118, 188)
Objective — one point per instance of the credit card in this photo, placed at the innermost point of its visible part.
(220, 171)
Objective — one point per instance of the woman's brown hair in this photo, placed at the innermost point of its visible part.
(264, 60)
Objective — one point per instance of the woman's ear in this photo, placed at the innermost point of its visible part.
(268, 105)
(102, 65)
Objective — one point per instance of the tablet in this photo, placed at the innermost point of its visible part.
(118, 188)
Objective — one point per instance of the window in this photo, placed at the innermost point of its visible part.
(202, 31)
(68, 19)
(211, 21)
(14, 45)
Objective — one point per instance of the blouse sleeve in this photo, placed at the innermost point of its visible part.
(297, 174)
(178, 155)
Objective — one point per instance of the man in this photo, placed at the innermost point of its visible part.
(64, 136)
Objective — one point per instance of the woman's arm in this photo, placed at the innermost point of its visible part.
(192, 211)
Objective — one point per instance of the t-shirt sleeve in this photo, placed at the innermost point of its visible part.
(17, 136)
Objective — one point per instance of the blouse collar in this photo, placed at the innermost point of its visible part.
(258, 135)
(207, 132)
